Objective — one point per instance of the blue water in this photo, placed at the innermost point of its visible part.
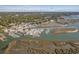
(62, 36)
(49, 36)
(72, 17)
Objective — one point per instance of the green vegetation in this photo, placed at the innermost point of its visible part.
(8, 19)
(33, 17)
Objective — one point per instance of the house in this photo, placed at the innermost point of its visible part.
(52, 20)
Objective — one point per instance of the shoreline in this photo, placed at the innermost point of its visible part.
(65, 30)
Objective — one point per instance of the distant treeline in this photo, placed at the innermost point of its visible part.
(37, 13)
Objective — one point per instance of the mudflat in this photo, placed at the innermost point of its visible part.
(42, 47)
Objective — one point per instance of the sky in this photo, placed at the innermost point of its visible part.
(39, 8)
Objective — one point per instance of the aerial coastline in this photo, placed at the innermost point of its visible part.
(39, 29)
